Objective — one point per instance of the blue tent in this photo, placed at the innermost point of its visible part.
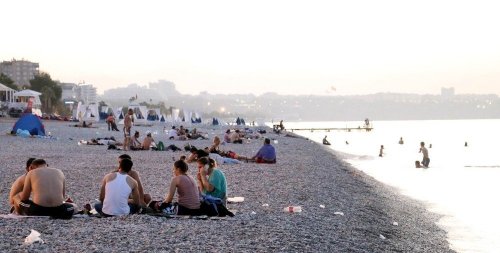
(162, 119)
(215, 122)
(31, 123)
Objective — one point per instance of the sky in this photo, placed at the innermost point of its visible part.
(288, 47)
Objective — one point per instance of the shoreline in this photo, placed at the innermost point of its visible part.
(306, 174)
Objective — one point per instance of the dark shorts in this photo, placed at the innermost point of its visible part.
(181, 210)
(426, 162)
(133, 209)
(126, 131)
(64, 211)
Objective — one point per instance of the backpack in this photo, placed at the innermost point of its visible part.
(160, 146)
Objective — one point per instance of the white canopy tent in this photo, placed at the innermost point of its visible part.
(6, 94)
(88, 113)
(23, 97)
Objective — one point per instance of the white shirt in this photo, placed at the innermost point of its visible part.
(116, 196)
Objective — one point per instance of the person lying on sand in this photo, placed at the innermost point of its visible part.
(101, 141)
(17, 187)
(196, 154)
(188, 195)
(48, 188)
(266, 154)
(211, 181)
(115, 191)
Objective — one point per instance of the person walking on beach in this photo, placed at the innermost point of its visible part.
(401, 142)
(425, 153)
(129, 119)
(17, 187)
(48, 188)
(381, 152)
(115, 191)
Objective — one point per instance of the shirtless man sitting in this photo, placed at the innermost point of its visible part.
(17, 187)
(48, 188)
(115, 191)
(146, 143)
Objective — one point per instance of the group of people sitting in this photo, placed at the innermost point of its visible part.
(147, 143)
(182, 134)
(266, 154)
(41, 191)
(237, 136)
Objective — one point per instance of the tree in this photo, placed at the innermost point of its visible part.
(5, 80)
(51, 91)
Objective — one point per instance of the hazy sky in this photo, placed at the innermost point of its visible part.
(289, 47)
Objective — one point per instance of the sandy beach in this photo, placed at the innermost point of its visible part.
(306, 175)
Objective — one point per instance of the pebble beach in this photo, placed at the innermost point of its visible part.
(343, 209)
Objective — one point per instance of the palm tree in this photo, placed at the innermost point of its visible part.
(48, 99)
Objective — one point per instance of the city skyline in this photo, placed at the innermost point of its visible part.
(287, 47)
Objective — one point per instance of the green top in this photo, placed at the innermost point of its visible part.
(218, 181)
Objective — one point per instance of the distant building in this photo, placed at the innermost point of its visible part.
(20, 71)
(68, 91)
(447, 92)
(72, 92)
(87, 93)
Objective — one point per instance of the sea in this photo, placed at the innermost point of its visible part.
(462, 183)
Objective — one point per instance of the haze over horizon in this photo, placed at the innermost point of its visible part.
(287, 47)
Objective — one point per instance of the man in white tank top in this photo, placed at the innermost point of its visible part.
(115, 191)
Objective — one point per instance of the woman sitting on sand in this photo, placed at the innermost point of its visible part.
(211, 180)
(215, 146)
(188, 195)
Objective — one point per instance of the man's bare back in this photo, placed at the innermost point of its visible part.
(47, 186)
(425, 152)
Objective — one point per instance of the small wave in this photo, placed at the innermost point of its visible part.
(353, 156)
(482, 166)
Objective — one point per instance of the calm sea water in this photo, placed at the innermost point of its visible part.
(462, 182)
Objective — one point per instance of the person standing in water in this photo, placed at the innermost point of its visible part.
(381, 153)
(425, 153)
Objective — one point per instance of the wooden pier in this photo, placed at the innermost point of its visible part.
(348, 129)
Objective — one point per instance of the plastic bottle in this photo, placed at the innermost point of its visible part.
(292, 209)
